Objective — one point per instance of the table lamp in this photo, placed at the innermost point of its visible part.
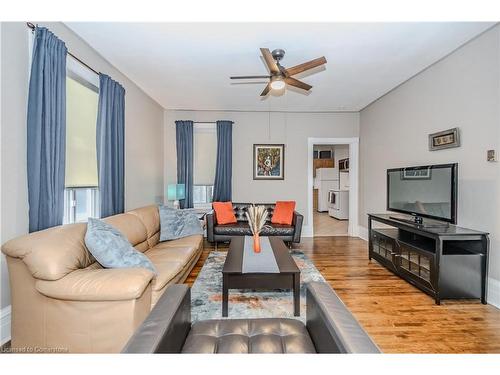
(175, 192)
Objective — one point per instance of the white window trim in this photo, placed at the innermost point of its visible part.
(70, 203)
(76, 68)
(205, 127)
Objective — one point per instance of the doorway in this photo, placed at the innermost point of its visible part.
(332, 187)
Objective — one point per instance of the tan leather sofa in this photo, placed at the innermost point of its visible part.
(64, 301)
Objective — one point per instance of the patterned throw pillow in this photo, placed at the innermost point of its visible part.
(111, 249)
(176, 224)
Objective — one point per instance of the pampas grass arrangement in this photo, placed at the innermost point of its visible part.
(257, 217)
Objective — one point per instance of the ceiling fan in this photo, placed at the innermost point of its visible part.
(281, 76)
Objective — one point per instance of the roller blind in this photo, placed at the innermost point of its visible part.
(205, 154)
(81, 117)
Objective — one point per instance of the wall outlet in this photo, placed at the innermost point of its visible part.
(491, 155)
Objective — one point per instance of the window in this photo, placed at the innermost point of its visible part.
(205, 155)
(80, 204)
(81, 198)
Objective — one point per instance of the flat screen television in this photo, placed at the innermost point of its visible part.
(428, 191)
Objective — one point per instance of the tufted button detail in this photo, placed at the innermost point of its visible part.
(249, 336)
(240, 210)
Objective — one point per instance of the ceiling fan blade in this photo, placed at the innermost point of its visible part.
(249, 77)
(306, 66)
(268, 57)
(295, 82)
(266, 90)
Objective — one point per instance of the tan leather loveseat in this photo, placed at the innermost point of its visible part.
(63, 300)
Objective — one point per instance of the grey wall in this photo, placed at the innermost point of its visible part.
(292, 129)
(461, 90)
(143, 133)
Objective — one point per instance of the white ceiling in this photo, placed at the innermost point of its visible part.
(187, 65)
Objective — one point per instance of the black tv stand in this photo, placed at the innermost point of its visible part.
(419, 221)
(444, 261)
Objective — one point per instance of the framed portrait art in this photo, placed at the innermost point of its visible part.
(269, 162)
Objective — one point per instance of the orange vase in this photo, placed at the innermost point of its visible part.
(256, 243)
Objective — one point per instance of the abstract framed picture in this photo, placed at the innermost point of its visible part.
(268, 161)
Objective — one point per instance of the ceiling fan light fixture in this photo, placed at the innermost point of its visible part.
(277, 83)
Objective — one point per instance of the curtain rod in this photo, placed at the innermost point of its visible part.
(32, 27)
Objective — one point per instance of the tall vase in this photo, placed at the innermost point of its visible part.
(256, 243)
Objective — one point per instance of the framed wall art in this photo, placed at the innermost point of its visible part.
(444, 139)
(268, 161)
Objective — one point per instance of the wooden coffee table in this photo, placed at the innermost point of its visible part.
(287, 278)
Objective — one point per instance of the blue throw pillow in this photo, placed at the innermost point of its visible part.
(176, 224)
(111, 249)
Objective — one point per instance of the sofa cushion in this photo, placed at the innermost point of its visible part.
(111, 249)
(278, 230)
(224, 212)
(179, 253)
(150, 217)
(242, 229)
(175, 224)
(167, 270)
(169, 262)
(98, 285)
(238, 229)
(283, 212)
(52, 253)
(269, 335)
(194, 241)
(132, 228)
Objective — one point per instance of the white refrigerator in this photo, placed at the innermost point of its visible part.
(326, 179)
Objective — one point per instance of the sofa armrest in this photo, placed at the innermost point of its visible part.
(297, 221)
(117, 284)
(167, 325)
(331, 325)
(211, 222)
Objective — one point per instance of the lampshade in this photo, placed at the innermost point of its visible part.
(277, 83)
(176, 192)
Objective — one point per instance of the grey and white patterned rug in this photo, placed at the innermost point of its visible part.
(206, 293)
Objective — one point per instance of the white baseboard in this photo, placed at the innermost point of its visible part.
(493, 295)
(363, 233)
(5, 315)
(307, 231)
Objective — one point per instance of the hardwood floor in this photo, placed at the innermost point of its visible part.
(325, 225)
(399, 317)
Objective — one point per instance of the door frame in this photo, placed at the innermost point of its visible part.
(353, 143)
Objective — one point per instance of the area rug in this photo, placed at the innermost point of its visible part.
(206, 293)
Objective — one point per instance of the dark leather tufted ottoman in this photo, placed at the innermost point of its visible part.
(330, 328)
(249, 336)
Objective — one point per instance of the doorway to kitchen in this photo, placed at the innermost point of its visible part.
(333, 181)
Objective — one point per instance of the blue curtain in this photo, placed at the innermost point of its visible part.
(224, 164)
(110, 139)
(184, 142)
(46, 131)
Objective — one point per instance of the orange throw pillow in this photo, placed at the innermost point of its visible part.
(283, 212)
(224, 212)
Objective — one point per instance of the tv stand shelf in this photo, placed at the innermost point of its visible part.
(445, 261)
